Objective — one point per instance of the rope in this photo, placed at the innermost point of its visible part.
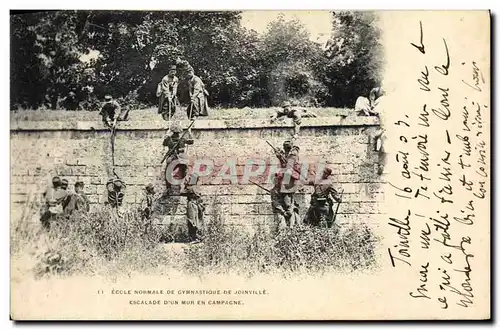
(113, 136)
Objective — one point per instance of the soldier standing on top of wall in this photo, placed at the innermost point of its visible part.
(321, 213)
(198, 105)
(111, 112)
(167, 94)
(295, 113)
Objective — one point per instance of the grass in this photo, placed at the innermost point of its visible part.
(96, 244)
(150, 114)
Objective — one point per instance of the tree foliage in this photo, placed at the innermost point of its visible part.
(354, 57)
(71, 59)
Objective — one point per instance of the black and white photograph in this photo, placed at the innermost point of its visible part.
(258, 165)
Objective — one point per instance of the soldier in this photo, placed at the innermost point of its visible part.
(289, 155)
(194, 213)
(115, 189)
(289, 162)
(112, 112)
(369, 106)
(321, 213)
(82, 202)
(176, 145)
(374, 96)
(198, 95)
(146, 206)
(284, 206)
(77, 201)
(295, 113)
(54, 199)
(167, 94)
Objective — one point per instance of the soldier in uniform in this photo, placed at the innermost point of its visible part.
(195, 209)
(177, 152)
(321, 213)
(111, 112)
(54, 199)
(198, 95)
(284, 206)
(289, 155)
(369, 106)
(289, 162)
(77, 201)
(167, 94)
(295, 113)
(82, 203)
(115, 192)
(146, 206)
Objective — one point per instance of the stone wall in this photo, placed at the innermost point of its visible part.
(81, 151)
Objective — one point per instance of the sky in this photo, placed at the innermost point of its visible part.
(317, 22)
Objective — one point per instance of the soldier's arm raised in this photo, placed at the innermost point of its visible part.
(158, 89)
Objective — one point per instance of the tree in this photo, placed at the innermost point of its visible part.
(239, 67)
(288, 56)
(26, 90)
(354, 56)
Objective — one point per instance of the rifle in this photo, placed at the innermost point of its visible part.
(258, 185)
(282, 160)
(178, 142)
(337, 210)
(276, 152)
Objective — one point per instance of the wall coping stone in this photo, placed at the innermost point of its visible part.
(200, 124)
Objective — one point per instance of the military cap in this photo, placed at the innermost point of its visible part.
(173, 67)
(64, 182)
(287, 143)
(108, 97)
(79, 184)
(56, 180)
(286, 104)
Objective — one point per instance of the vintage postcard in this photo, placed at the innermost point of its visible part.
(250, 165)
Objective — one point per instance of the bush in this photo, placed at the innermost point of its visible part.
(296, 250)
(101, 243)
